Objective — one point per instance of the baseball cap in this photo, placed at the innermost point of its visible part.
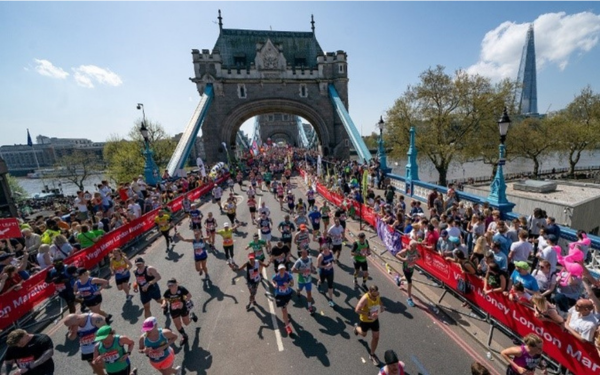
(302, 226)
(103, 333)
(149, 324)
(390, 357)
(281, 267)
(139, 260)
(251, 256)
(522, 265)
(226, 225)
(444, 233)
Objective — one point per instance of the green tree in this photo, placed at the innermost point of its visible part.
(447, 113)
(371, 140)
(578, 126)
(125, 157)
(533, 139)
(80, 165)
(18, 192)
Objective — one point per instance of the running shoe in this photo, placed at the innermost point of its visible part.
(312, 310)
(248, 306)
(194, 317)
(288, 329)
(129, 297)
(410, 302)
(179, 370)
(355, 329)
(109, 319)
(331, 303)
(374, 360)
(183, 341)
(254, 303)
(134, 371)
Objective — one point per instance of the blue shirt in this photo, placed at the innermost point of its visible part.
(281, 289)
(501, 260)
(503, 241)
(315, 217)
(528, 281)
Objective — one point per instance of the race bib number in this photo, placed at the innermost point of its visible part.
(121, 271)
(364, 252)
(26, 362)
(283, 289)
(85, 293)
(306, 272)
(155, 354)
(258, 253)
(87, 339)
(111, 357)
(254, 275)
(176, 305)
(141, 280)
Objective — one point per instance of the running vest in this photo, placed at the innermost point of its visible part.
(327, 264)
(310, 195)
(87, 290)
(196, 216)
(290, 199)
(199, 249)
(120, 268)
(210, 223)
(286, 229)
(112, 355)
(361, 249)
(143, 278)
(526, 360)
(156, 355)
(253, 272)
(411, 257)
(370, 307)
(87, 335)
(265, 226)
(302, 238)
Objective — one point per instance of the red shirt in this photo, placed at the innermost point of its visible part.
(432, 238)
(123, 194)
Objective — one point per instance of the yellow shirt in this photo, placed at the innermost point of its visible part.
(227, 235)
(370, 307)
(163, 222)
(118, 266)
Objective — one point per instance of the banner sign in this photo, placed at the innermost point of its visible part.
(35, 290)
(9, 228)
(579, 357)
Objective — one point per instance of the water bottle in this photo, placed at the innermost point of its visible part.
(489, 356)
(398, 280)
(388, 268)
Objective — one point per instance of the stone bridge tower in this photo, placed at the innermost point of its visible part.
(256, 72)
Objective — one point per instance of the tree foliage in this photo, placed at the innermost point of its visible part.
(125, 157)
(533, 139)
(80, 165)
(449, 113)
(18, 192)
(578, 126)
(371, 140)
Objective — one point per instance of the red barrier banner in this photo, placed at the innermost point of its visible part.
(9, 228)
(35, 290)
(577, 356)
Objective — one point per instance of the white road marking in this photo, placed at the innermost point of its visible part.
(274, 317)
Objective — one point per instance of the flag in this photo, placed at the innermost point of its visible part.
(29, 142)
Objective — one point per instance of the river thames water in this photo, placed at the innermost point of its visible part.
(426, 172)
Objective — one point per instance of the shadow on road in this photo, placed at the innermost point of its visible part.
(196, 359)
(395, 307)
(131, 313)
(215, 293)
(70, 347)
(309, 344)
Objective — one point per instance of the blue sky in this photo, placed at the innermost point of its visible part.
(77, 69)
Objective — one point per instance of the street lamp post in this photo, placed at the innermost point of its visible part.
(151, 172)
(497, 196)
(381, 149)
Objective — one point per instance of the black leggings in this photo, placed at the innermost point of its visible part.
(166, 235)
(228, 251)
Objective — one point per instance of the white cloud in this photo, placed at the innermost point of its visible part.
(46, 68)
(86, 75)
(558, 37)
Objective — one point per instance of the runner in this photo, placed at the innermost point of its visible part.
(252, 207)
(325, 265)
(227, 234)
(287, 228)
(280, 254)
(259, 181)
(251, 192)
(360, 252)
(230, 208)
(178, 301)
(267, 177)
(393, 366)
(300, 207)
(240, 180)
(64, 279)
(186, 204)
(195, 217)
(369, 308)
(525, 358)
(280, 191)
(409, 256)
(265, 223)
(110, 352)
(315, 220)
(146, 281)
(217, 192)
(291, 201)
(301, 219)
(200, 253)
(304, 267)
(119, 267)
(310, 197)
(156, 343)
(257, 245)
(336, 233)
(89, 289)
(264, 209)
(211, 228)
(230, 183)
(253, 277)
(325, 210)
(163, 222)
(302, 239)
(84, 327)
(32, 353)
(340, 214)
(283, 282)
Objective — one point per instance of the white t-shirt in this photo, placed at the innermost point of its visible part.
(549, 254)
(141, 184)
(336, 234)
(521, 251)
(454, 232)
(81, 204)
(584, 325)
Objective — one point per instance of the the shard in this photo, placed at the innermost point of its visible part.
(526, 93)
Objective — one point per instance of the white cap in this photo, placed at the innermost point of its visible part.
(226, 225)
(281, 267)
